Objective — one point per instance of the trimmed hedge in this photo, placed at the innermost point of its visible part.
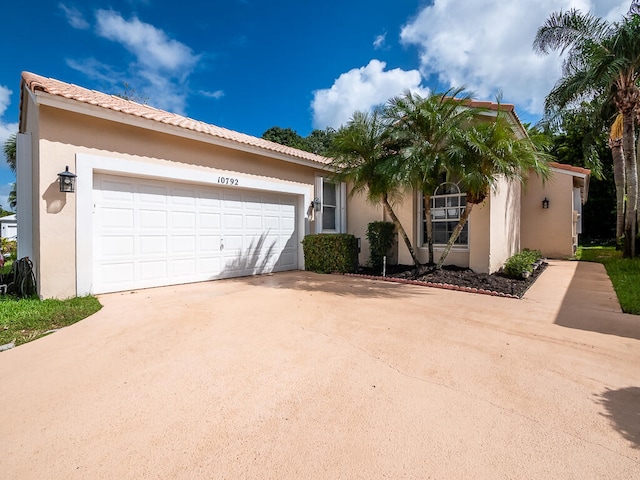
(380, 236)
(330, 253)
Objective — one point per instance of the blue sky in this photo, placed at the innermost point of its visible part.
(249, 65)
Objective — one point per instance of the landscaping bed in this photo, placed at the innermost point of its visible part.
(457, 278)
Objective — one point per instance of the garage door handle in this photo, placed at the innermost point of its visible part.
(221, 244)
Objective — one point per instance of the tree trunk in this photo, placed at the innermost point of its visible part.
(401, 231)
(618, 177)
(455, 234)
(631, 176)
(429, 224)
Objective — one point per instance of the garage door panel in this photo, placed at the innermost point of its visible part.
(233, 243)
(151, 233)
(232, 221)
(183, 244)
(232, 201)
(153, 269)
(114, 217)
(210, 265)
(153, 219)
(117, 272)
(117, 246)
(152, 194)
(210, 221)
(186, 267)
(153, 245)
(182, 196)
(116, 191)
(183, 220)
(209, 243)
(209, 199)
(253, 222)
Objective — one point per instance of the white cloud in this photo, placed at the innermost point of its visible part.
(6, 129)
(361, 89)
(486, 45)
(151, 46)
(74, 17)
(379, 41)
(161, 68)
(216, 95)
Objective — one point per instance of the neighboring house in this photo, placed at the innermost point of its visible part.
(161, 199)
(9, 227)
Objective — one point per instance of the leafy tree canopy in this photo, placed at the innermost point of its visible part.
(318, 141)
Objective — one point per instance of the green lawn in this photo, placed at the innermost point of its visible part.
(624, 274)
(23, 320)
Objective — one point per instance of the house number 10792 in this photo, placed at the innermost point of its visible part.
(228, 181)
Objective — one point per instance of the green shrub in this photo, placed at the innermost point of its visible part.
(10, 247)
(329, 253)
(380, 236)
(521, 262)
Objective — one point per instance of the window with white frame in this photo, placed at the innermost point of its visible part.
(447, 205)
(330, 206)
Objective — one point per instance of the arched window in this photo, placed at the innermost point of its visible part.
(447, 205)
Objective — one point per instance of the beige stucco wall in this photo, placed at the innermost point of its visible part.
(505, 223)
(360, 212)
(548, 230)
(63, 135)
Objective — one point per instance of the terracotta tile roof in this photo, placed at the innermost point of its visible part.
(570, 168)
(36, 83)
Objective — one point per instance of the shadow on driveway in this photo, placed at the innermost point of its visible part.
(336, 284)
(590, 304)
(623, 410)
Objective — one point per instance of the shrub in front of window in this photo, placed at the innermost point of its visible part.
(330, 253)
(521, 262)
(380, 236)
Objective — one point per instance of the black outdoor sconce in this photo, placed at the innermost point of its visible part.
(545, 203)
(67, 181)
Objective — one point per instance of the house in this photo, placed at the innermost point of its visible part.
(162, 199)
(9, 227)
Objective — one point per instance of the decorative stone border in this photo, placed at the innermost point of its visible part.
(444, 286)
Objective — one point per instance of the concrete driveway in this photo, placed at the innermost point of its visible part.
(297, 376)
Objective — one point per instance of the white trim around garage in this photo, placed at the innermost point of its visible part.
(87, 165)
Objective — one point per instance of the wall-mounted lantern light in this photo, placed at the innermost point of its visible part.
(545, 203)
(67, 181)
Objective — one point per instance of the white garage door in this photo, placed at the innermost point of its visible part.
(149, 233)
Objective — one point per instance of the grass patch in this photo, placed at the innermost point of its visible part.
(23, 320)
(623, 272)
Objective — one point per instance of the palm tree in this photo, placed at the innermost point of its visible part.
(361, 153)
(485, 152)
(602, 58)
(9, 149)
(424, 128)
(615, 144)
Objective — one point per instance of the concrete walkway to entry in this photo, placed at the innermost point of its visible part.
(305, 376)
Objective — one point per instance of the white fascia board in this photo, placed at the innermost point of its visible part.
(124, 118)
(569, 172)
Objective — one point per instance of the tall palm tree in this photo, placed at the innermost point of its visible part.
(424, 129)
(615, 144)
(360, 152)
(602, 58)
(9, 149)
(485, 152)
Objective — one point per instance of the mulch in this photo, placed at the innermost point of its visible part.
(456, 278)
